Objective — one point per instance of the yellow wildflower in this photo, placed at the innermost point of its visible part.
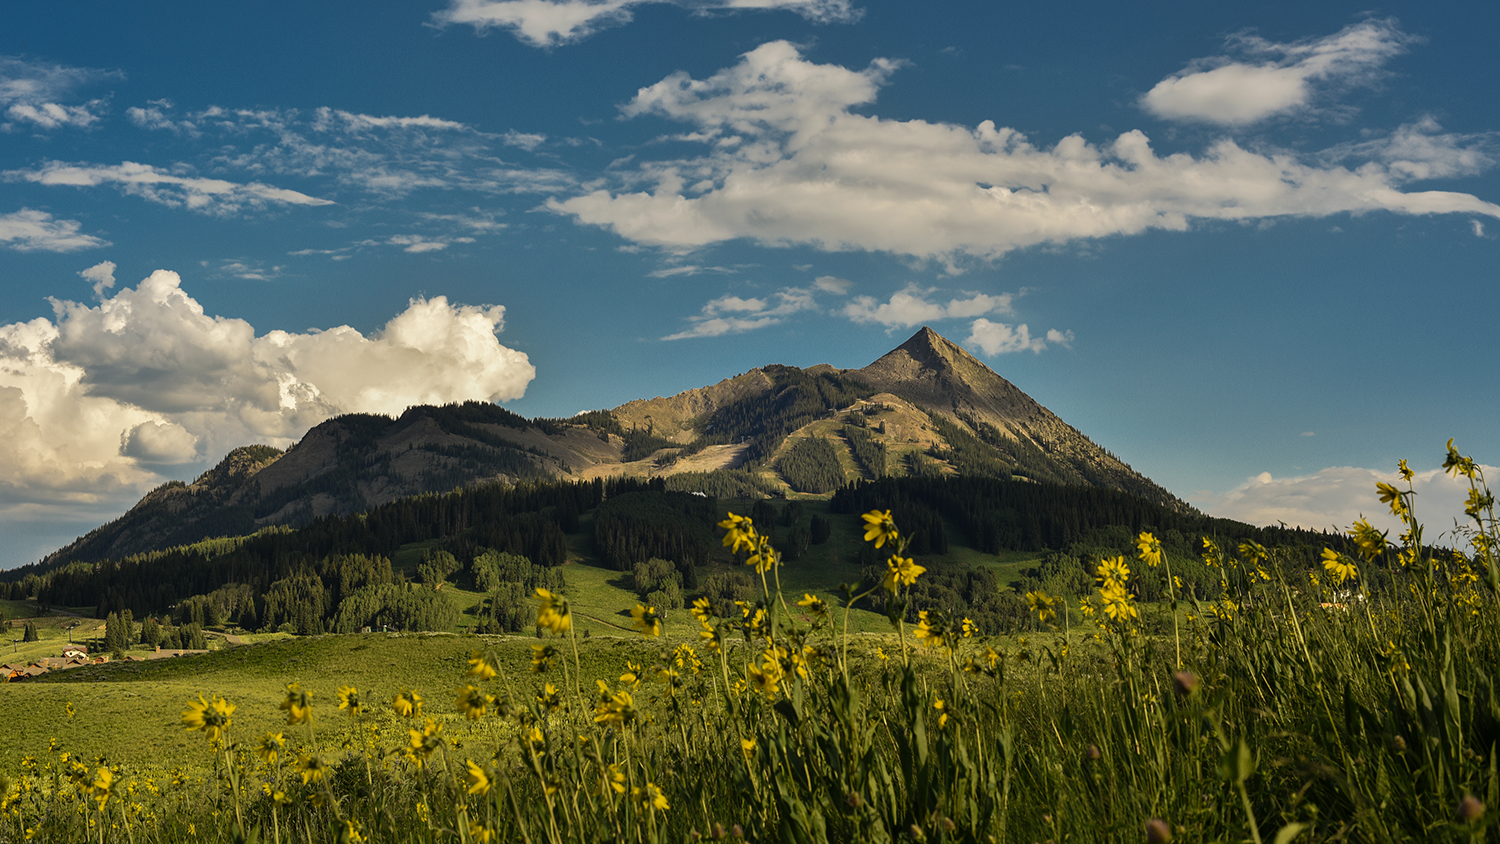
(424, 742)
(1456, 464)
(632, 675)
(477, 778)
(1338, 565)
(880, 528)
(900, 571)
(647, 621)
(270, 747)
(1113, 570)
(1117, 604)
(765, 557)
(553, 613)
(483, 666)
(1478, 502)
(1044, 605)
(472, 702)
(1149, 549)
(298, 705)
(1371, 542)
(766, 677)
(739, 532)
(541, 658)
(211, 718)
(311, 768)
(932, 629)
(611, 778)
(711, 638)
(814, 605)
(703, 610)
(616, 709)
(1392, 496)
(1254, 552)
(407, 704)
(653, 797)
(349, 699)
(1212, 556)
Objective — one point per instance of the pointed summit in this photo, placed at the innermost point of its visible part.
(927, 349)
(934, 372)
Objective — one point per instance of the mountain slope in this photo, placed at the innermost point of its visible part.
(928, 407)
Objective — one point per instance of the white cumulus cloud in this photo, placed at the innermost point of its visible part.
(102, 275)
(1333, 498)
(94, 401)
(29, 230)
(999, 338)
(787, 160)
(550, 23)
(1276, 78)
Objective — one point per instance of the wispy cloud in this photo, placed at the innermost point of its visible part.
(1275, 79)
(688, 269)
(389, 157)
(736, 315)
(911, 306)
(914, 305)
(33, 94)
(550, 23)
(788, 161)
(833, 284)
(214, 196)
(246, 269)
(29, 230)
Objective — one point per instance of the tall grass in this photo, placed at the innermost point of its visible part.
(1354, 702)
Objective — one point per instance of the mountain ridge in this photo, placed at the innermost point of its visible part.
(927, 405)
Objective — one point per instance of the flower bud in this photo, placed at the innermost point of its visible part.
(1470, 809)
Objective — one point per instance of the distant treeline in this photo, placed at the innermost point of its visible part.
(303, 578)
(997, 515)
(336, 574)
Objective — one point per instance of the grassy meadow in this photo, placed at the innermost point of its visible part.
(1358, 701)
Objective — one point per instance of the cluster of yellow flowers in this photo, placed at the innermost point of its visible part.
(1114, 597)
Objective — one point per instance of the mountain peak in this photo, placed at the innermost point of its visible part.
(933, 359)
(932, 349)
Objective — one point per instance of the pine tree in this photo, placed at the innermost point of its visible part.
(114, 638)
(150, 632)
(31, 634)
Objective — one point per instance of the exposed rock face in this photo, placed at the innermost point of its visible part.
(354, 462)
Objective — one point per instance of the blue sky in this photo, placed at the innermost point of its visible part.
(1251, 249)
